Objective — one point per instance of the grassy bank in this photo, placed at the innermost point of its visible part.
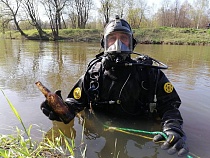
(21, 145)
(176, 36)
(161, 35)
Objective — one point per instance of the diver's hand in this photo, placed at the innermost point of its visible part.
(106, 62)
(47, 110)
(176, 138)
(174, 143)
(52, 115)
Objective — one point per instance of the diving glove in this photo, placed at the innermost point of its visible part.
(63, 114)
(176, 138)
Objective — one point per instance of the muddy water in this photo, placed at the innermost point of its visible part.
(59, 65)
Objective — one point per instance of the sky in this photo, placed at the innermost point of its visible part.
(155, 4)
(97, 2)
(150, 2)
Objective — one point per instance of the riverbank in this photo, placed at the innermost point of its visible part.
(161, 35)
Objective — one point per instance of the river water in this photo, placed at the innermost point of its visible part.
(58, 65)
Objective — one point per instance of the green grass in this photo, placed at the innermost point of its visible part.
(158, 35)
(178, 36)
(20, 144)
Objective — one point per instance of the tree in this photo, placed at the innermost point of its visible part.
(184, 15)
(164, 14)
(32, 11)
(142, 12)
(201, 7)
(72, 14)
(54, 9)
(83, 8)
(136, 13)
(120, 7)
(105, 9)
(4, 21)
(176, 13)
(12, 12)
(134, 20)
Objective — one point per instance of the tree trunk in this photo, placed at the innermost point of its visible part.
(19, 29)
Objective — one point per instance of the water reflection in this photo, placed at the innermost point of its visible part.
(104, 143)
(58, 65)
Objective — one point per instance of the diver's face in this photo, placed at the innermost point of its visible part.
(123, 37)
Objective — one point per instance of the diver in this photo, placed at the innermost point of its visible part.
(115, 84)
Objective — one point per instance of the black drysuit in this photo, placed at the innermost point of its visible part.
(125, 91)
(128, 89)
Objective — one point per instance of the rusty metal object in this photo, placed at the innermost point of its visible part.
(56, 103)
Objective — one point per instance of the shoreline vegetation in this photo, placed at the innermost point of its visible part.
(21, 143)
(160, 35)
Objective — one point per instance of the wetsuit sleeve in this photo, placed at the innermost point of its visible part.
(168, 104)
(77, 98)
(168, 101)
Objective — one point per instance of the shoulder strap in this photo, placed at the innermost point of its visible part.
(94, 72)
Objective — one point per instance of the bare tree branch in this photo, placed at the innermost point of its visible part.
(13, 10)
(54, 9)
(32, 11)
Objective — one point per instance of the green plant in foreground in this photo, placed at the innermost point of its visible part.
(19, 146)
